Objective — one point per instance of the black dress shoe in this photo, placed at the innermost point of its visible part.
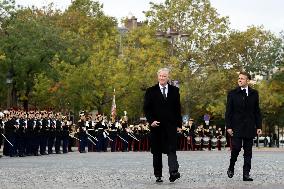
(159, 179)
(247, 178)
(230, 173)
(174, 176)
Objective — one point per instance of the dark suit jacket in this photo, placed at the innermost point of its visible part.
(168, 113)
(243, 113)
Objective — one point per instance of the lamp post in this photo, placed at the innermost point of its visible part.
(9, 81)
(172, 35)
(122, 32)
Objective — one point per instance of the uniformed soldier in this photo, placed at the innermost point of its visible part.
(21, 134)
(90, 130)
(99, 128)
(138, 138)
(10, 133)
(124, 135)
(65, 134)
(44, 133)
(113, 136)
(72, 131)
(83, 137)
(36, 138)
(51, 132)
(58, 132)
(30, 133)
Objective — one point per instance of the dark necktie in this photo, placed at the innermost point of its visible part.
(164, 92)
(244, 92)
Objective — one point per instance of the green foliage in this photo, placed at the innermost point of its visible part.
(272, 99)
(73, 60)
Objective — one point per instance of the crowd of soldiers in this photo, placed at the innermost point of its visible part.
(35, 133)
(201, 137)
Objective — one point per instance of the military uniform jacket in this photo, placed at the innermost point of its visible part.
(243, 113)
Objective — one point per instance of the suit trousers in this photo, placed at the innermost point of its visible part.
(237, 144)
(158, 163)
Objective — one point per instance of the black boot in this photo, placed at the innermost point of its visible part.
(159, 179)
(246, 177)
(174, 176)
(230, 172)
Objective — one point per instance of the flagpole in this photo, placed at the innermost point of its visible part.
(113, 107)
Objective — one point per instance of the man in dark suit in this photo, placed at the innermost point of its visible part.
(243, 121)
(163, 112)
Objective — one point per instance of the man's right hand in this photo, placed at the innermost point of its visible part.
(155, 124)
(230, 131)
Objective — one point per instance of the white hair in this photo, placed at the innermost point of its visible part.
(167, 70)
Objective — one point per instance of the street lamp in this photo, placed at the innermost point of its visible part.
(171, 35)
(9, 81)
(122, 32)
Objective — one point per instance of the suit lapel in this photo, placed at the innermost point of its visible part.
(250, 91)
(169, 91)
(158, 91)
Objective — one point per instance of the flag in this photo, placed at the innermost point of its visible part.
(113, 107)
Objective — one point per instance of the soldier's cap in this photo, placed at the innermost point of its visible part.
(6, 112)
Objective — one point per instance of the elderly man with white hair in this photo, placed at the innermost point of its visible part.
(163, 112)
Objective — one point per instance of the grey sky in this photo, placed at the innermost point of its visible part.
(242, 13)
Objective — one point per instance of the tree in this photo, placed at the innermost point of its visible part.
(272, 100)
(29, 44)
(82, 73)
(254, 50)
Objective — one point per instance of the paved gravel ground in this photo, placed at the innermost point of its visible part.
(202, 169)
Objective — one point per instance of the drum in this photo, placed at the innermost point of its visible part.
(223, 141)
(214, 142)
(197, 140)
(205, 141)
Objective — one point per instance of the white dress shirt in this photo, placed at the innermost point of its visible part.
(166, 90)
(246, 88)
